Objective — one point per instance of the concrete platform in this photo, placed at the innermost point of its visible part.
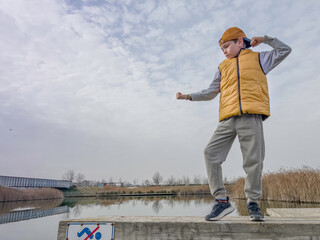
(186, 228)
(294, 212)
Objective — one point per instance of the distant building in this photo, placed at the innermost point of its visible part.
(117, 184)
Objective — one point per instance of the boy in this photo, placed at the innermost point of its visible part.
(244, 104)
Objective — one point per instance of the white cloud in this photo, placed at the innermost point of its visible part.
(98, 81)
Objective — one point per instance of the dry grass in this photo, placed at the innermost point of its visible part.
(10, 195)
(237, 190)
(181, 190)
(295, 185)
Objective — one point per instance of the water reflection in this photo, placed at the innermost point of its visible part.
(156, 206)
(7, 207)
(25, 210)
(94, 207)
(174, 205)
(141, 204)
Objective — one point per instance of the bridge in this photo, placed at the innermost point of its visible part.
(8, 181)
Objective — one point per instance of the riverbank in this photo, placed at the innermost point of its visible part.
(13, 195)
(297, 185)
(112, 191)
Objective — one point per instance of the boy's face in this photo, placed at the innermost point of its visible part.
(231, 49)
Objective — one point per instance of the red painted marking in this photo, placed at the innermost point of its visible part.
(91, 233)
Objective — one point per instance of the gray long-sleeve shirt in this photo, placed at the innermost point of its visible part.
(268, 61)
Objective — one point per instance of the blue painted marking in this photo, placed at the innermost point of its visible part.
(98, 235)
(85, 230)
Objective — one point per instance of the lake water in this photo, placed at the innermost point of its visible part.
(44, 216)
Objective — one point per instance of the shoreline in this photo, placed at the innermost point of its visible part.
(113, 191)
(281, 186)
(21, 195)
(111, 195)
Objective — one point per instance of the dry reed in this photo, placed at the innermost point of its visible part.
(180, 190)
(10, 195)
(294, 185)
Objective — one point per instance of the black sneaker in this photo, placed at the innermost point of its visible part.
(221, 208)
(255, 212)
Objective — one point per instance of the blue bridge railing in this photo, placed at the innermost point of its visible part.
(7, 181)
(30, 214)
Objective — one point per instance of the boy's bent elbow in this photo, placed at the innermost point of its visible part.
(285, 52)
(289, 50)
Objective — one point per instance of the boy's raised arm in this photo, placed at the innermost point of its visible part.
(207, 94)
(271, 59)
(255, 41)
(179, 95)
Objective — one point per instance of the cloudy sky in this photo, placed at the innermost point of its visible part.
(90, 85)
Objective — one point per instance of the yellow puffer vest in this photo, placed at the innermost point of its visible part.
(243, 87)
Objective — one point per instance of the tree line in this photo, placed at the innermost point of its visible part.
(157, 179)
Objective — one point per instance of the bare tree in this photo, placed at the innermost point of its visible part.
(135, 182)
(225, 180)
(121, 182)
(186, 180)
(179, 181)
(196, 180)
(157, 178)
(146, 182)
(69, 175)
(80, 177)
(171, 181)
(205, 181)
(110, 181)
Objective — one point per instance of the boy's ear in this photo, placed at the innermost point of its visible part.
(240, 41)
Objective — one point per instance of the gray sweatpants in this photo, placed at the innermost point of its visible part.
(249, 129)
